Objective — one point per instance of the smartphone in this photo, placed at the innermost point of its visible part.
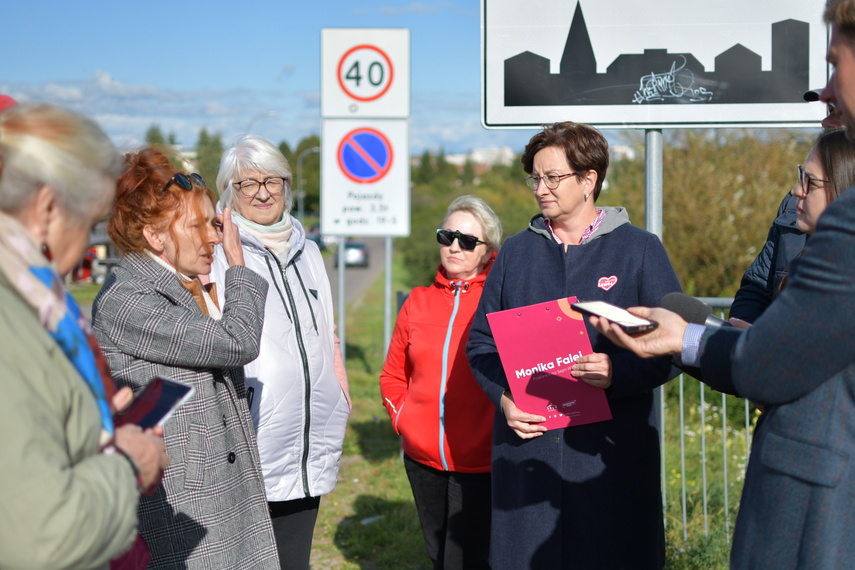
(155, 404)
(627, 321)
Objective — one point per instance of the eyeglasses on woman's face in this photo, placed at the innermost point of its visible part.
(250, 187)
(551, 180)
(466, 241)
(184, 181)
(808, 182)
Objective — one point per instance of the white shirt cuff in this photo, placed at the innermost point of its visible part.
(691, 345)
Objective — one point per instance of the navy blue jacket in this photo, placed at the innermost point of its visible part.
(762, 279)
(586, 496)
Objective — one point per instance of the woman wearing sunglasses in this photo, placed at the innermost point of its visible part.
(443, 417)
(585, 496)
(154, 317)
(297, 386)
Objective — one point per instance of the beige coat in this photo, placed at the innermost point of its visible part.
(62, 503)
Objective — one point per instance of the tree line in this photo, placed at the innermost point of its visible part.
(210, 147)
(721, 190)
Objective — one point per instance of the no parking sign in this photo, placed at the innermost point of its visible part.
(365, 155)
(366, 178)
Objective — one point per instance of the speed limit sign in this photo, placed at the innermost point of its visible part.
(365, 73)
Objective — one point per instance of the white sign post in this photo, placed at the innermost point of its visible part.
(365, 151)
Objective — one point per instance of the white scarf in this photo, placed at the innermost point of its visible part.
(275, 237)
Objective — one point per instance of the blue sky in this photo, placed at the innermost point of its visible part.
(229, 65)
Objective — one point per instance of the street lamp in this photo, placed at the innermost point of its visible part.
(257, 118)
(300, 193)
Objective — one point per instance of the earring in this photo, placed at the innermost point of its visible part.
(586, 196)
(46, 252)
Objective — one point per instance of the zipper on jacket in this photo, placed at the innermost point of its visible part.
(304, 462)
(456, 286)
(276, 284)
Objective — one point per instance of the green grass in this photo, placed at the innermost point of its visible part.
(370, 522)
(703, 548)
(84, 294)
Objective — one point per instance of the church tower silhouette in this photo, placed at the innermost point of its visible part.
(578, 61)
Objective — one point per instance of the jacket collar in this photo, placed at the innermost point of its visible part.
(161, 278)
(443, 282)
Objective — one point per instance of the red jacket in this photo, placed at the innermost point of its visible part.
(435, 404)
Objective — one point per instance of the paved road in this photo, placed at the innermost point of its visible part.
(358, 279)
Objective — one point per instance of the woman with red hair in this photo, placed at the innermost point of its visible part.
(155, 318)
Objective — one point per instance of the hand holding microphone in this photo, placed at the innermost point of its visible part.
(692, 310)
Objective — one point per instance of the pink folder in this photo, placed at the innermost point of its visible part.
(538, 344)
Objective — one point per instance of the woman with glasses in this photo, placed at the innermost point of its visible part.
(154, 317)
(828, 170)
(436, 406)
(586, 496)
(297, 387)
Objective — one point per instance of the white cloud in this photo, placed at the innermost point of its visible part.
(439, 119)
(62, 94)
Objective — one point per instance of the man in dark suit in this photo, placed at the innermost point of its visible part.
(798, 360)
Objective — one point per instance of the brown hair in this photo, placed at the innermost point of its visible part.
(583, 145)
(837, 155)
(141, 200)
(842, 14)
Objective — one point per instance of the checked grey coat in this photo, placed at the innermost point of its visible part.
(211, 511)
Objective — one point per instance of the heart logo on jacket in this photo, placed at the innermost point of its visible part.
(606, 283)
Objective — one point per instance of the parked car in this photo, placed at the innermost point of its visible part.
(315, 235)
(355, 254)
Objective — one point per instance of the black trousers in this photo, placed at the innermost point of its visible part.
(454, 512)
(293, 527)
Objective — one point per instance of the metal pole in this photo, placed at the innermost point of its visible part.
(300, 193)
(653, 181)
(341, 302)
(253, 120)
(653, 223)
(387, 310)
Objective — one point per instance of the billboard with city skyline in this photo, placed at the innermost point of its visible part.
(617, 64)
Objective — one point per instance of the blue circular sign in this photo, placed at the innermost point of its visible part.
(365, 155)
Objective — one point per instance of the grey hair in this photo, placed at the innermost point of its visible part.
(485, 216)
(45, 145)
(252, 152)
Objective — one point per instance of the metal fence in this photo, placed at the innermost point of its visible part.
(712, 477)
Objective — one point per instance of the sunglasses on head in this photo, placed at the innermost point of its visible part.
(185, 181)
(466, 241)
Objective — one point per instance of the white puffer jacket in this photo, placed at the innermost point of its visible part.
(298, 405)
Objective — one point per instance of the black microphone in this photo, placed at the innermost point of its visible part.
(692, 310)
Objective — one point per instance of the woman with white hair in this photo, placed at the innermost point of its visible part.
(297, 387)
(438, 409)
(71, 480)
